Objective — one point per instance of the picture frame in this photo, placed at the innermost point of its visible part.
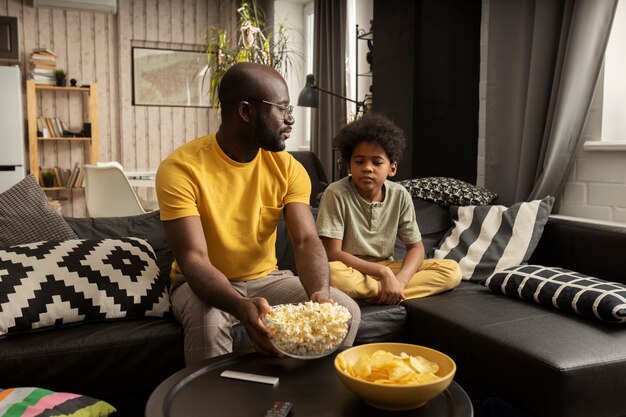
(9, 46)
(170, 77)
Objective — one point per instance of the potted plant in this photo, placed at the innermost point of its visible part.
(61, 78)
(256, 42)
(48, 178)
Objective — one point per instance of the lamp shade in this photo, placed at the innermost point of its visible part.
(309, 96)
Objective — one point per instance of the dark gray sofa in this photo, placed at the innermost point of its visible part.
(539, 361)
(122, 361)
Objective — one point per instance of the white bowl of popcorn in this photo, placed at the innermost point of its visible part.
(308, 330)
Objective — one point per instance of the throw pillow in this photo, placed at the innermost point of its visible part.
(487, 239)
(566, 290)
(49, 284)
(39, 402)
(448, 191)
(26, 216)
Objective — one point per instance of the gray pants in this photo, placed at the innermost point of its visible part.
(207, 329)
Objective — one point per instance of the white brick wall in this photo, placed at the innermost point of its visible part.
(596, 185)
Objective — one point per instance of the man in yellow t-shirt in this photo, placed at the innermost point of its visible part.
(221, 197)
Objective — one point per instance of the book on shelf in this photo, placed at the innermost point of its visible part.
(58, 178)
(57, 124)
(44, 52)
(43, 80)
(42, 65)
(80, 178)
(49, 72)
(51, 127)
(71, 182)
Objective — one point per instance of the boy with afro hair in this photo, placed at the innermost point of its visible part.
(360, 216)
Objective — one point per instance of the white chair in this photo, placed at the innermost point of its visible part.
(108, 192)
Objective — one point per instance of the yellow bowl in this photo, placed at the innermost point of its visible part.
(396, 396)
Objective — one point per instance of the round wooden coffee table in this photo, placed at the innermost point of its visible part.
(311, 385)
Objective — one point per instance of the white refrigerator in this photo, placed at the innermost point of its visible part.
(11, 128)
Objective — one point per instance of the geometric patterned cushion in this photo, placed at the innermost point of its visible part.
(38, 402)
(487, 239)
(49, 284)
(26, 216)
(566, 290)
(449, 191)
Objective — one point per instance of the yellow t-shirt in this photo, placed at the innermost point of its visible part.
(239, 203)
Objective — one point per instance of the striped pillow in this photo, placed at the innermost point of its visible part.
(566, 290)
(487, 239)
(34, 402)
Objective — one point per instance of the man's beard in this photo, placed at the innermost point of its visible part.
(270, 141)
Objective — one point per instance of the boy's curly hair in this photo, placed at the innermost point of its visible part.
(373, 128)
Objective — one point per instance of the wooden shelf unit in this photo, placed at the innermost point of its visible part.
(34, 141)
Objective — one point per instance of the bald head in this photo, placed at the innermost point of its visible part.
(248, 80)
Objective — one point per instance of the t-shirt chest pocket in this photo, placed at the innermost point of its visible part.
(268, 218)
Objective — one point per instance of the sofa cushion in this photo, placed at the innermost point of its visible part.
(26, 216)
(28, 401)
(433, 221)
(145, 226)
(487, 239)
(448, 191)
(49, 284)
(566, 290)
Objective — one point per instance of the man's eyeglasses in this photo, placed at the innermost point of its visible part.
(287, 109)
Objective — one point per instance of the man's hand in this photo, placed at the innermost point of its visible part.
(321, 297)
(249, 313)
(390, 288)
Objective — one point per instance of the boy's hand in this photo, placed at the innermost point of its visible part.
(390, 288)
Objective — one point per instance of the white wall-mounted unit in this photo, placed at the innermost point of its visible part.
(106, 6)
(12, 133)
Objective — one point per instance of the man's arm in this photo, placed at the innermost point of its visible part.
(311, 259)
(186, 238)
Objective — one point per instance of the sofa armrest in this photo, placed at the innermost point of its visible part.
(588, 247)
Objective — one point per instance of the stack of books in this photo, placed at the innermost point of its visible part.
(43, 63)
(51, 127)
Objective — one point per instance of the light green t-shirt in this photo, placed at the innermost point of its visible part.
(367, 230)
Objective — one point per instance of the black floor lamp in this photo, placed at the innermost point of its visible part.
(309, 97)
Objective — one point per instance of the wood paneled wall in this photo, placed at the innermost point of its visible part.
(96, 47)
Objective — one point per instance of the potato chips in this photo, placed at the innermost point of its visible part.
(383, 367)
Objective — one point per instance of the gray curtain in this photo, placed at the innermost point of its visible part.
(544, 59)
(329, 70)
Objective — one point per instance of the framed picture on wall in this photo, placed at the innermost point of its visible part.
(169, 77)
(9, 49)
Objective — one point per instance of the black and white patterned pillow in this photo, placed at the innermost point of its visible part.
(448, 191)
(49, 284)
(26, 216)
(487, 239)
(566, 290)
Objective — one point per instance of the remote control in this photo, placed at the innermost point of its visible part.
(271, 380)
(279, 409)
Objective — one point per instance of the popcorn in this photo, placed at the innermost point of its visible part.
(308, 329)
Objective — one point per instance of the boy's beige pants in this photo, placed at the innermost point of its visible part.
(433, 277)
